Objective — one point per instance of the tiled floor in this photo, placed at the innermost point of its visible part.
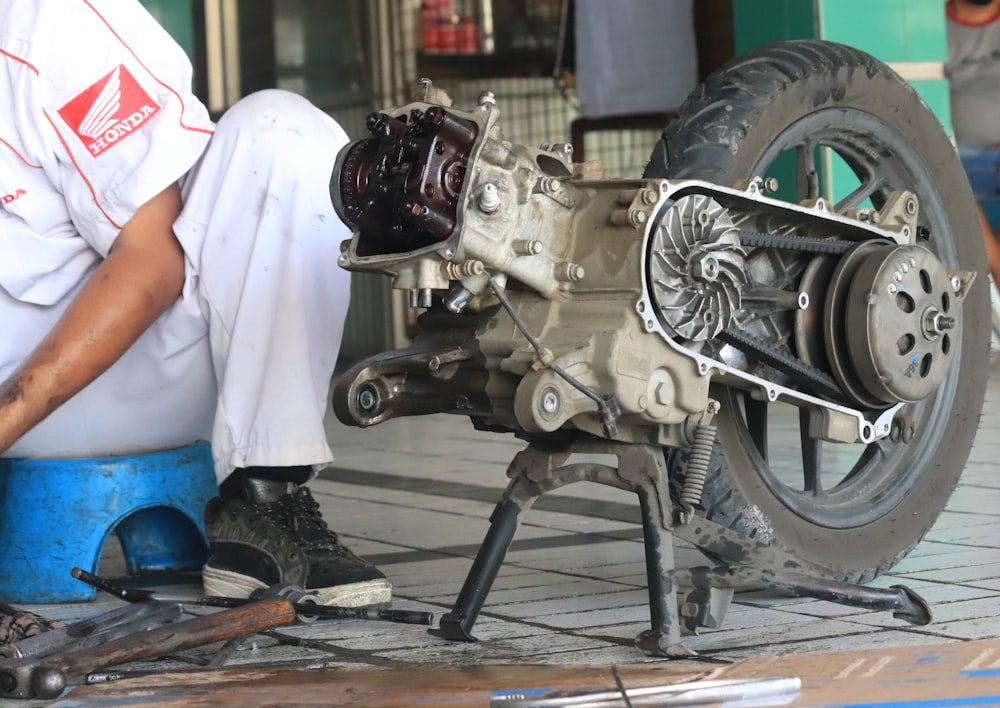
(414, 496)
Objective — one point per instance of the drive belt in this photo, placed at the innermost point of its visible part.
(805, 244)
(762, 352)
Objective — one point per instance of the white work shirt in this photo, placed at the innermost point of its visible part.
(96, 118)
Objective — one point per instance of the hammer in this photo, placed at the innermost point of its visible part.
(46, 677)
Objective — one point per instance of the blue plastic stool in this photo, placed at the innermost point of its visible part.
(57, 514)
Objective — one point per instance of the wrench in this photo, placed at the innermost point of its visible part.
(46, 677)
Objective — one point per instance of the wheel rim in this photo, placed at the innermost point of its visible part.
(836, 485)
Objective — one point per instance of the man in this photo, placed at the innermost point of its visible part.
(973, 71)
(162, 278)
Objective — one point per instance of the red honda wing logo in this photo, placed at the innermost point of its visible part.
(109, 111)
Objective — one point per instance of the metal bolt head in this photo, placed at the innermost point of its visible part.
(367, 398)
(706, 269)
(637, 217)
(549, 402)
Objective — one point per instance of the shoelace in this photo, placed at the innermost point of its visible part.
(298, 513)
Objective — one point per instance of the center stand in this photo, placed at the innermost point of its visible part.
(680, 599)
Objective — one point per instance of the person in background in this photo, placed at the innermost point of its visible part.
(973, 71)
(165, 279)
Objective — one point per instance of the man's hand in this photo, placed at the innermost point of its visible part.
(138, 281)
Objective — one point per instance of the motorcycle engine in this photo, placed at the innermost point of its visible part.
(559, 302)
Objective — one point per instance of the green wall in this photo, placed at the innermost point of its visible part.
(910, 34)
(176, 17)
(892, 30)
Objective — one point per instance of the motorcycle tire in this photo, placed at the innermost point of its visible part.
(808, 98)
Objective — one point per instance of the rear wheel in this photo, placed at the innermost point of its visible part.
(853, 509)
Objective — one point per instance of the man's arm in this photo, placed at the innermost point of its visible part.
(141, 277)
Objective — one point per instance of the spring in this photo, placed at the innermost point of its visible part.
(697, 467)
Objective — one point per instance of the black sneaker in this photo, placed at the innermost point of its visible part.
(285, 542)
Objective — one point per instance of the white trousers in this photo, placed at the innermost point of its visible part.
(245, 357)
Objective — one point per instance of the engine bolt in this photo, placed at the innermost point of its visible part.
(367, 398)
(569, 272)
(549, 402)
(771, 184)
(637, 217)
(527, 246)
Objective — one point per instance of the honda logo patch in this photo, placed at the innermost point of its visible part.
(109, 111)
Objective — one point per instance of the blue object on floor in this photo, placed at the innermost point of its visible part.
(57, 514)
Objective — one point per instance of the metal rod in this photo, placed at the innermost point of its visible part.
(457, 624)
(302, 609)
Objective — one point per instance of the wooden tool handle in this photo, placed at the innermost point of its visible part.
(200, 631)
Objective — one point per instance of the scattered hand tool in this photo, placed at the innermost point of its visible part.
(753, 691)
(95, 631)
(46, 677)
(16, 624)
(306, 605)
